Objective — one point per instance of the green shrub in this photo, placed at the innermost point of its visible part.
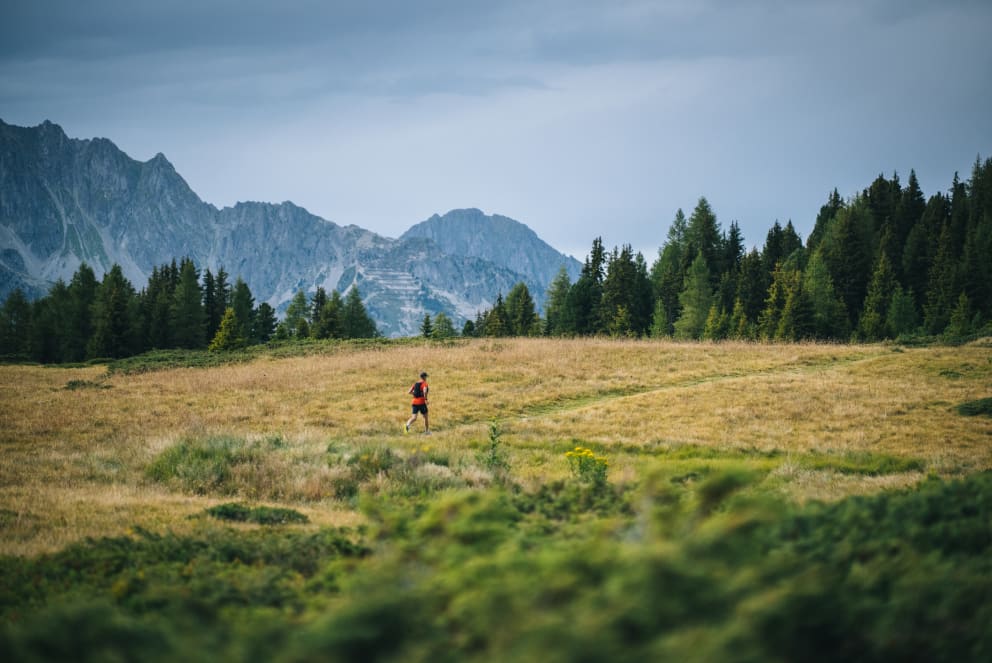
(982, 406)
(370, 461)
(263, 515)
(494, 456)
(204, 465)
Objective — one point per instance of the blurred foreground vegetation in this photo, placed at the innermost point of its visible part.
(688, 568)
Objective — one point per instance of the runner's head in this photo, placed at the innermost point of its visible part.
(423, 376)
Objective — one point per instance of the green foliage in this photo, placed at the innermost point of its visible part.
(262, 515)
(494, 456)
(443, 327)
(228, 335)
(370, 461)
(206, 465)
(982, 406)
(694, 300)
(693, 570)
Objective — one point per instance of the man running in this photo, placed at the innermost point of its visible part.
(419, 393)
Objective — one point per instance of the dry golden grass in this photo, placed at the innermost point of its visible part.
(74, 460)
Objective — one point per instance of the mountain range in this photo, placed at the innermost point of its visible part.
(64, 201)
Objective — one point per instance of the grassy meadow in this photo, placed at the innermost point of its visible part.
(706, 463)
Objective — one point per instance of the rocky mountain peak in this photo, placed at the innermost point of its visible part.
(65, 200)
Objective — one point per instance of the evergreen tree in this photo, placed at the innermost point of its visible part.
(830, 319)
(296, 316)
(738, 327)
(824, 219)
(695, 300)
(717, 323)
(316, 309)
(785, 314)
(355, 320)
(667, 277)
(228, 335)
(976, 264)
(920, 248)
(582, 313)
(49, 325)
(847, 257)
(959, 323)
(752, 286)
(210, 324)
(908, 212)
(113, 316)
(426, 326)
(497, 320)
(872, 323)
(733, 248)
(943, 283)
(443, 327)
(15, 325)
(265, 323)
(659, 321)
(521, 316)
(901, 318)
(329, 323)
(221, 300)
(244, 306)
(626, 298)
(796, 321)
(554, 304)
(468, 329)
(188, 318)
(703, 236)
(82, 296)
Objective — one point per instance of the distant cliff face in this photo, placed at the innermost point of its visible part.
(64, 201)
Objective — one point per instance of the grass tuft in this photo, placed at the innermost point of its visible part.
(983, 406)
(262, 515)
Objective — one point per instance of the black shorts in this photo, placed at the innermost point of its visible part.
(421, 408)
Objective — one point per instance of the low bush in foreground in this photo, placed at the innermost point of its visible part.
(696, 570)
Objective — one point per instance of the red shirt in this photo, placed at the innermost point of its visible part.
(423, 399)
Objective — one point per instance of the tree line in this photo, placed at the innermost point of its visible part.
(884, 264)
(88, 319)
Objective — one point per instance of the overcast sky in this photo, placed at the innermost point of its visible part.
(578, 118)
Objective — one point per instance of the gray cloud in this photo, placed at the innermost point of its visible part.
(578, 117)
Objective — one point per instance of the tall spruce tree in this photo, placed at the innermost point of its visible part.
(848, 258)
(824, 219)
(626, 299)
(443, 327)
(355, 320)
(901, 317)
(82, 295)
(228, 336)
(295, 322)
(872, 324)
(830, 318)
(188, 318)
(114, 312)
(668, 275)
(521, 315)
(15, 326)
(244, 307)
(695, 300)
(554, 303)
(265, 323)
(329, 322)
